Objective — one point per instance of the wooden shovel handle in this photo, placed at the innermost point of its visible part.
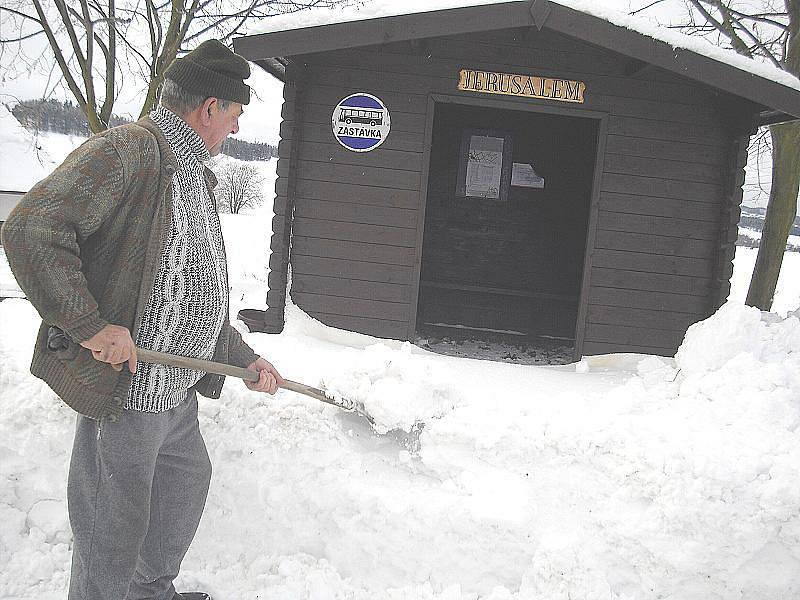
(172, 360)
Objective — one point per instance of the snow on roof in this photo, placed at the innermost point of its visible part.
(602, 10)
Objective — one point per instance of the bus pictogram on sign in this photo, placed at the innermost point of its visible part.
(360, 122)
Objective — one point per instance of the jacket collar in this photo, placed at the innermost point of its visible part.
(169, 162)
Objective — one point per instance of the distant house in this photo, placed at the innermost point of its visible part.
(518, 167)
(8, 285)
(8, 200)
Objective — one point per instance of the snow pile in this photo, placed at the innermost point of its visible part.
(615, 12)
(639, 477)
(395, 387)
(392, 379)
(746, 331)
(35, 433)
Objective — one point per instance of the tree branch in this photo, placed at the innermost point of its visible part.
(111, 63)
(21, 39)
(73, 38)
(88, 26)
(792, 54)
(20, 14)
(734, 21)
(760, 18)
(59, 56)
(644, 8)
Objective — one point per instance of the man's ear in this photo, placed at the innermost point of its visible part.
(206, 110)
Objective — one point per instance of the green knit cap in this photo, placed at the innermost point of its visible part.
(212, 70)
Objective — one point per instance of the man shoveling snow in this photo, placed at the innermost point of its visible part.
(121, 247)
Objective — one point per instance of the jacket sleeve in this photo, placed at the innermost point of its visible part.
(239, 353)
(43, 233)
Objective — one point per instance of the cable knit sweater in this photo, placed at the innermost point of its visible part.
(185, 310)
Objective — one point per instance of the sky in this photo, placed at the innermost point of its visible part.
(20, 80)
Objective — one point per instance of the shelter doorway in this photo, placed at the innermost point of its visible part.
(507, 212)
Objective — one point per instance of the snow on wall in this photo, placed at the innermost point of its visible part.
(609, 10)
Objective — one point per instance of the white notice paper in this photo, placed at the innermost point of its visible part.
(523, 175)
(484, 167)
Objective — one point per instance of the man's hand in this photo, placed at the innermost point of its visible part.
(113, 344)
(269, 379)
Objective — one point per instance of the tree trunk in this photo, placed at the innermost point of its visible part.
(152, 94)
(782, 206)
(781, 212)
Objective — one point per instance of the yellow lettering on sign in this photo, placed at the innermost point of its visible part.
(528, 86)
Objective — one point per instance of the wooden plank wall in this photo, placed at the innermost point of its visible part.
(355, 254)
(285, 187)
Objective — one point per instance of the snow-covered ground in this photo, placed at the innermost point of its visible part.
(620, 477)
(8, 285)
(792, 241)
(787, 295)
(248, 273)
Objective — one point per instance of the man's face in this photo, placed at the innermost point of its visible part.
(221, 123)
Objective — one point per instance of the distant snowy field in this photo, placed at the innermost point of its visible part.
(619, 478)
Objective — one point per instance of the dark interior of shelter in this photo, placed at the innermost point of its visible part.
(505, 228)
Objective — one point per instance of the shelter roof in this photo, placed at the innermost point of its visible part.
(642, 40)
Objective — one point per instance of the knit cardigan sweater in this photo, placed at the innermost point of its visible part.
(189, 300)
(84, 244)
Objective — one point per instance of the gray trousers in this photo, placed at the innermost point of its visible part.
(136, 492)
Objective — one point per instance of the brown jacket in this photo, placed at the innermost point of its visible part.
(84, 244)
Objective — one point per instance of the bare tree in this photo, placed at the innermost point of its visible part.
(94, 43)
(240, 185)
(770, 30)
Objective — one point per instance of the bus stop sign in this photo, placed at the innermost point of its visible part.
(360, 122)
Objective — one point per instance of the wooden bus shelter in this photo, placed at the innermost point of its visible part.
(544, 173)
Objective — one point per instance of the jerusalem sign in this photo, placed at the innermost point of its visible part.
(528, 86)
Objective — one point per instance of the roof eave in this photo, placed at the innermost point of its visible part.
(774, 117)
(275, 66)
(682, 61)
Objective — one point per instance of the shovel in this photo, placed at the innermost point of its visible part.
(171, 360)
(407, 439)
